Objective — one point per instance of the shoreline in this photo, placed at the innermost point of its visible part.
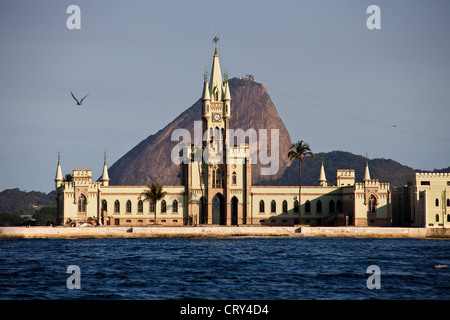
(221, 232)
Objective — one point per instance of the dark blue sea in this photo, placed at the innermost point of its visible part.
(228, 268)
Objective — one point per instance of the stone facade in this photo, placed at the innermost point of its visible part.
(220, 191)
(423, 202)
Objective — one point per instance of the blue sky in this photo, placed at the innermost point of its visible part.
(335, 83)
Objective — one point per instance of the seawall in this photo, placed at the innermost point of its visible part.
(221, 231)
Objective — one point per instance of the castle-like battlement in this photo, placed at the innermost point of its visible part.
(383, 186)
(345, 173)
(432, 174)
(82, 173)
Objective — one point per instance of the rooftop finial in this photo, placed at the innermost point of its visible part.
(104, 156)
(215, 39)
(59, 156)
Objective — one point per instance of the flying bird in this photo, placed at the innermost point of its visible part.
(79, 103)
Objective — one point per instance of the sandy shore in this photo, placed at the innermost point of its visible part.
(220, 231)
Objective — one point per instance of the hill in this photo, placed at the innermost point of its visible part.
(149, 161)
(16, 201)
(252, 107)
(385, 170)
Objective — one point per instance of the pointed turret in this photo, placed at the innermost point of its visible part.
(322, 178)
(105, 177)
(58, 177)
(205, 94)
(215, 82)
(367, 173)
(227, 95)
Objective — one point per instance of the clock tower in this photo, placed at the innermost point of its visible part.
(215, 205)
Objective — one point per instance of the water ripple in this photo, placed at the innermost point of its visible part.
(241, 268)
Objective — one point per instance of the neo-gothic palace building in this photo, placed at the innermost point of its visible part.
(221, 193)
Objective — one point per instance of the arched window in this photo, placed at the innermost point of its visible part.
(82, 203)
(117, 206)
(448, 202)
(285, 209)
(448, 217)
(140, 206)
(234, 178)
(214, 178)
(436, 202)
(175, 206)
(319, 206)
(273, 206)
(152, 206)
(163, 206)
(339, 206)
(104, 205)
(261, 206)
(437, 217)
(331, 206)
(128, 206)
(307, 206)
(372, 204)
(217, 133)
(296, 206)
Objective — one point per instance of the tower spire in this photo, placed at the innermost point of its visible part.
(322, 177)
(215, 82)
(105, 177)
(58, 177)
(367, 173)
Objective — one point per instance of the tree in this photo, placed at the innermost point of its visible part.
(299, 150)
(153, 194)
(68, 178)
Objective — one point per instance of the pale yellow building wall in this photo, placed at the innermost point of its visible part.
(133, 194)
(95, 193)
(438, 189)
(382, 215)
(290, 194)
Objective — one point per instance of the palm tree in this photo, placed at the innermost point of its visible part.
(68, 178)
(299, 150)
(154, 193)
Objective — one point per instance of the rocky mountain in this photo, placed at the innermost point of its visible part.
(149, 161)
(251, 107)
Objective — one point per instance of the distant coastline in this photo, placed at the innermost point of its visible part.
(221, 232)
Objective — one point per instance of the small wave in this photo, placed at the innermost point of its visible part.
(441, 266)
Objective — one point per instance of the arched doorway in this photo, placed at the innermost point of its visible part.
(202, 214)
(234, 211)
(218, 210)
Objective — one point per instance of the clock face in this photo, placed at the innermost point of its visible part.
(216, 117)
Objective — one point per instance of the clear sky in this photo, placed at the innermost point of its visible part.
(336, 84)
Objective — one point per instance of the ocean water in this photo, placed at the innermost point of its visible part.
(228, 268)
